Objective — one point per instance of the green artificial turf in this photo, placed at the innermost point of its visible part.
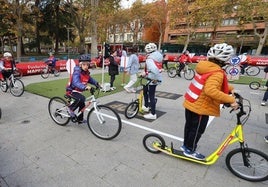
(57, 87)
(247, 80)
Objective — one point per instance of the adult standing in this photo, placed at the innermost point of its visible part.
(132, 69)
(153, 69)
(265, 96)
(165, 61)
(113, 68)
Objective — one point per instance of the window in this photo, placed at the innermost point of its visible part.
(227, 22)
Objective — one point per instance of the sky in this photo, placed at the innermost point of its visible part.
(128, 3)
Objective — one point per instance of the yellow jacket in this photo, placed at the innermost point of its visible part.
(208, 103)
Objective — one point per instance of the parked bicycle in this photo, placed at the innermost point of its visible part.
(246, 163)
(135, 107)
(261, 84)
(49, 70)
(187, 71)
(15, 85)
(102, 120)
(249, 70)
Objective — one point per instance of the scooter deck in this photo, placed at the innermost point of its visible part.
(178, 154)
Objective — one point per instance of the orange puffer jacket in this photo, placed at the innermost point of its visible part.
(212, 95)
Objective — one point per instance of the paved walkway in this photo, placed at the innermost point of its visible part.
(34, 151)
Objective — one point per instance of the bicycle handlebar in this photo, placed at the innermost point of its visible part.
(240, 102)
(141, 77)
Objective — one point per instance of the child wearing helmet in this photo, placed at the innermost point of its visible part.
(153, 69)
(79, 83)
(51, 61)
(7, 66)
(215, 91)
(183, 58)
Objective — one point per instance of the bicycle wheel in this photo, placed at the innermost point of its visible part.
(189, 74)
(257, 169)
(56, 73)
(104, 123)
(58, 111)
(172, 72)
(149, 140)
(132, 110)
(45, 73)
(17, 89)
(253, 71)
(4, 86)
(254, 85)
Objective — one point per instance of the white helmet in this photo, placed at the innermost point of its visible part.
(222, 52)
(150, 47)
(7, 54)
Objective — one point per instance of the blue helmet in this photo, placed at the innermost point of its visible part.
(84, 58)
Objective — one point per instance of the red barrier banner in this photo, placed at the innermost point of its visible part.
(33, 68)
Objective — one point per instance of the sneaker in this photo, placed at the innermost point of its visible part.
(183, 148)
(193, 154)
(150, 116)
(127, 89)
(112, 88)
(82, 122)
(266, 139)
(132, 90)
(145, 109)
(263, 103)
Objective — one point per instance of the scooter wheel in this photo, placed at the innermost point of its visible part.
(150, 139)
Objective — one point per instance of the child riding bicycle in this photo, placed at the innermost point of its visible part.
(183, 58)
(7, 66)
(78, 83)
(51, 62)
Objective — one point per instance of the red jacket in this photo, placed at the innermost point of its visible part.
(184, 58)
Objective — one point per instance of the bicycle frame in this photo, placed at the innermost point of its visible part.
(140, 97)
(235, 136)
(89, 100)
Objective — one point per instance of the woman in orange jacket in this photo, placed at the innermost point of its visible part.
(202, 101)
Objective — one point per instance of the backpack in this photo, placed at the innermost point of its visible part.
(195, 88)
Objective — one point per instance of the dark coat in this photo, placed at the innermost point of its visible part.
(113, 66)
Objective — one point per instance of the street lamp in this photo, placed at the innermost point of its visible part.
(68, 36)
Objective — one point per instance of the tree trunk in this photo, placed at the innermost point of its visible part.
(262, 40)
